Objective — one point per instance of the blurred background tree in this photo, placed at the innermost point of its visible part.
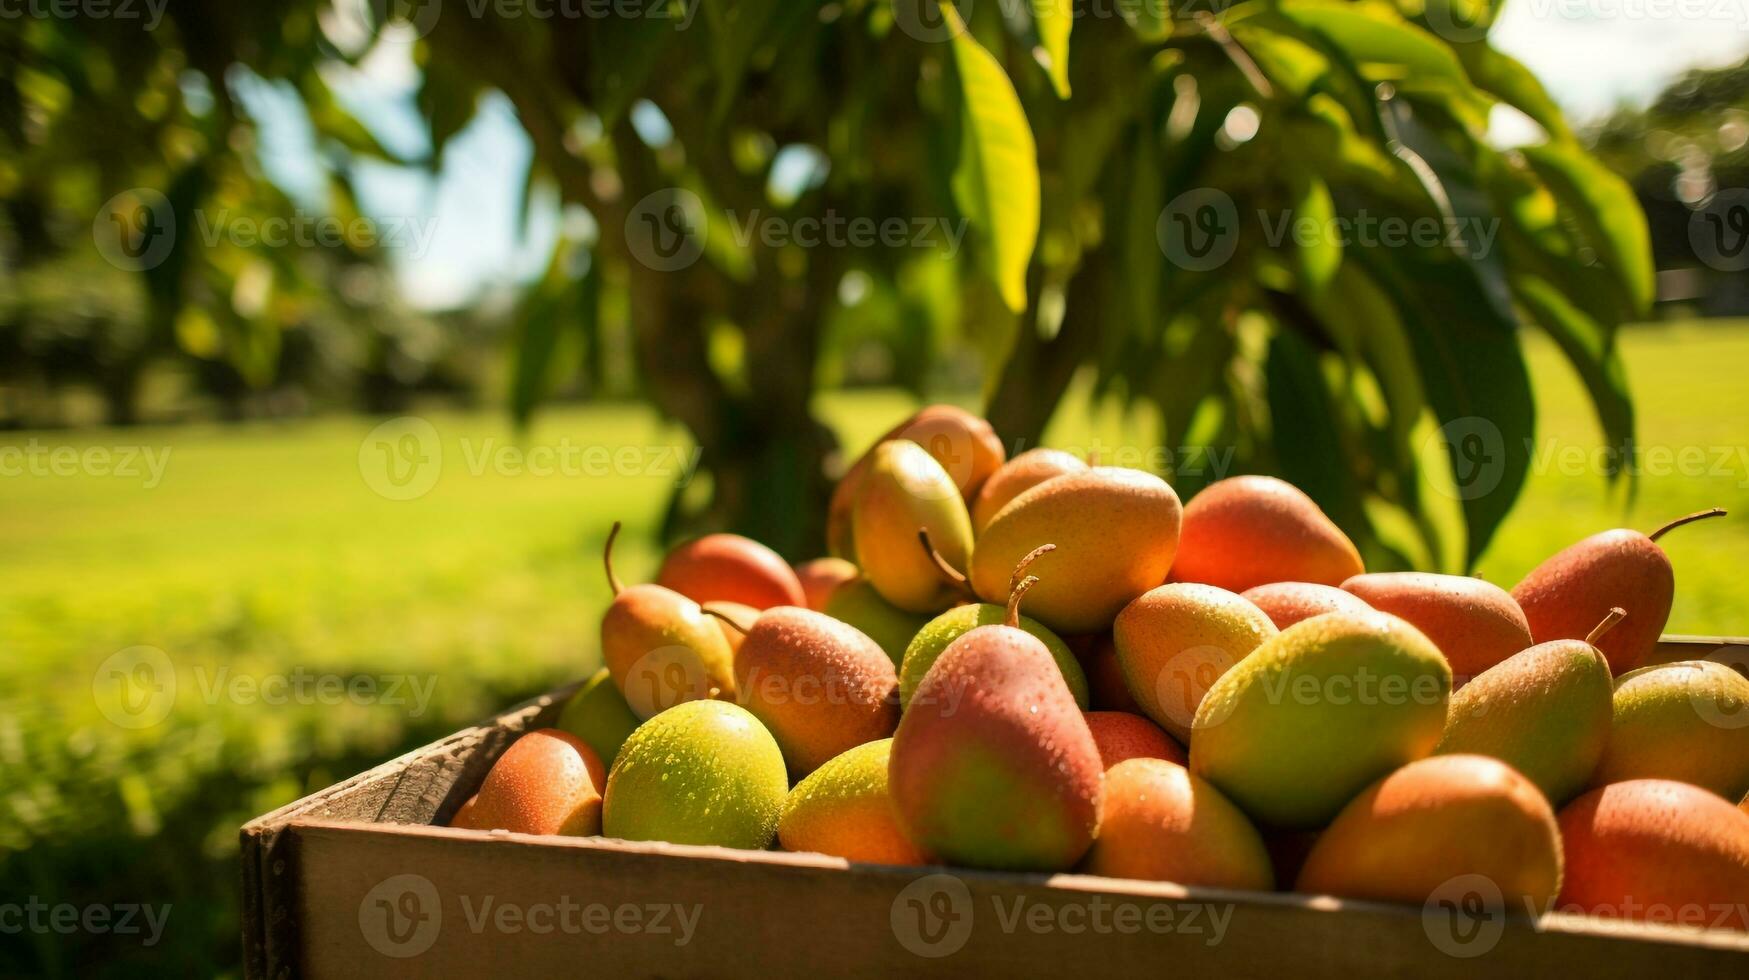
(1154, 196)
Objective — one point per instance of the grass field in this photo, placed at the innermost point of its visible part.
(314, 626)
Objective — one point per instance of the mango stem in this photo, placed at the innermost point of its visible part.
(613, 581)
(952, 574)
(1699, 515)
(720, 617)
(1616, 615)
(1012, 619)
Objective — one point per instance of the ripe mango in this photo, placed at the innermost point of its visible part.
(598, 714)
(1286, 603)
(818, 685)
(660, 646)
(1317, 713)
(1687, 721)
(1659, 851)
(926, 647)
(1115, 529)
(1476, 624)
(964, 444)
(1408, 835)
(905, 490)
(843, 809)
(547, 782)
(1163, 824)
(1121, 736)
(993, 765)
(1247, 531)
(1018, 475)
(702, 772)
(822, 577)
(731, 568)
(1573, 590)
(858, 604)
(1175, 641)
(1544, 711)
(734, 619)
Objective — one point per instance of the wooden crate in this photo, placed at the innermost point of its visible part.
(357, 881)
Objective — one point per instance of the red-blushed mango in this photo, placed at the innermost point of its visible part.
(731, 568)
(547, 782)
(1286, 603)
(1544, 711)
(1656, 850)
(818, 685)
(1115, 529)
(1106, 690)
(734, 619)
(964, 444)
(660, 647)
(993, 765)
(1122, 736)
(1476, 624)
(1161, 823)
(1573, 589)
(1687, 721)
(1317, 713)
(1175, 641)
(906, 491)
(1247, 531)
(936, 634)
(1408, 835)
(822, 577)
(843, 809)
(858, 604)
(1018, 475)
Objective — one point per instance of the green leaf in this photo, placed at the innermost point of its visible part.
(1311, 450)
(1607, 213)
(1054, 19)
(1505, 78)
(1591, 348)
(1381, 43)
(557, 303)
(995, 182)
(736, 29)
(1319, 258)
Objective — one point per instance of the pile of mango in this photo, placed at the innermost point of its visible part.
(1039, 664)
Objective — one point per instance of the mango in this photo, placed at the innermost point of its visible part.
(1247, 531)
(598, 714)
(1018, 475)
(701, 772)
(858, 604)
(904, 491)
(1476, 624)
(1175, 641)
(1115, 529)
(822, 577)
(1317, 713)
(965, 445)
(731, 568)
(926, 647)
(1106, 688)
(818, 685)
(1161, 823)
(661, 647)
(1408, 835)
(843, 809)
(993, 765)
(1286, 603)
(1656, 850)
(1686, 721)
(1121, 736)
(547, 782)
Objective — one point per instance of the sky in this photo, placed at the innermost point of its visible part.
(1591, 54)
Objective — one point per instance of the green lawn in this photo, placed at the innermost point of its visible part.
(265, 566)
